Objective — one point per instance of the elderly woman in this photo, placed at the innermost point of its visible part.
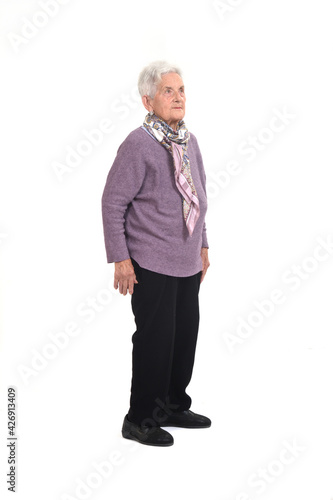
(154, 205)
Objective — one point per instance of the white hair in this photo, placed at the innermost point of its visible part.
(152, 74)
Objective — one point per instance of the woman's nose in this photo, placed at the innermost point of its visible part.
(178, 96)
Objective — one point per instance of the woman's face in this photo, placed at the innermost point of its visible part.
(169, 100)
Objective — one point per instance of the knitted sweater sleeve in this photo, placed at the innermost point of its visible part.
(123, 182)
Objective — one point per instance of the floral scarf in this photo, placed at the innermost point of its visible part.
(176, 143)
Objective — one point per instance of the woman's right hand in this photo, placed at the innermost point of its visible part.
(124, 276)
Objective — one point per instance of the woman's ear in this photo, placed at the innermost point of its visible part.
(146, 101)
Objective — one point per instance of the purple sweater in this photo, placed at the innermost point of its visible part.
(142, 208)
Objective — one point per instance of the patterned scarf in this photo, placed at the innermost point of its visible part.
(176, 143)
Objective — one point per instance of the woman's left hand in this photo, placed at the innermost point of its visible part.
(205, 262)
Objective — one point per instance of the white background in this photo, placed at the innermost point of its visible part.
(241, 61)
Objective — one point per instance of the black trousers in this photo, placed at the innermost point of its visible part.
(166, 312)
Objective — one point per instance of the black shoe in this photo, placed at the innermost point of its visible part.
(186, 419)
(153, 436)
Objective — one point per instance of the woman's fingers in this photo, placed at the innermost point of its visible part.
(204, 270)
(131, 283)
(123, 285)
(127, 285)
(124, 277)
(131, 286)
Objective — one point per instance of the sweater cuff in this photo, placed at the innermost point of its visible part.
(117, 256)
(204, 243)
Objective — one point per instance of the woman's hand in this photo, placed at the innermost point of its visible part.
(205, 262)
(124, 275)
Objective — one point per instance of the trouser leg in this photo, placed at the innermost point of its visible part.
(166, 311)
(187, 325)
(154, 308)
